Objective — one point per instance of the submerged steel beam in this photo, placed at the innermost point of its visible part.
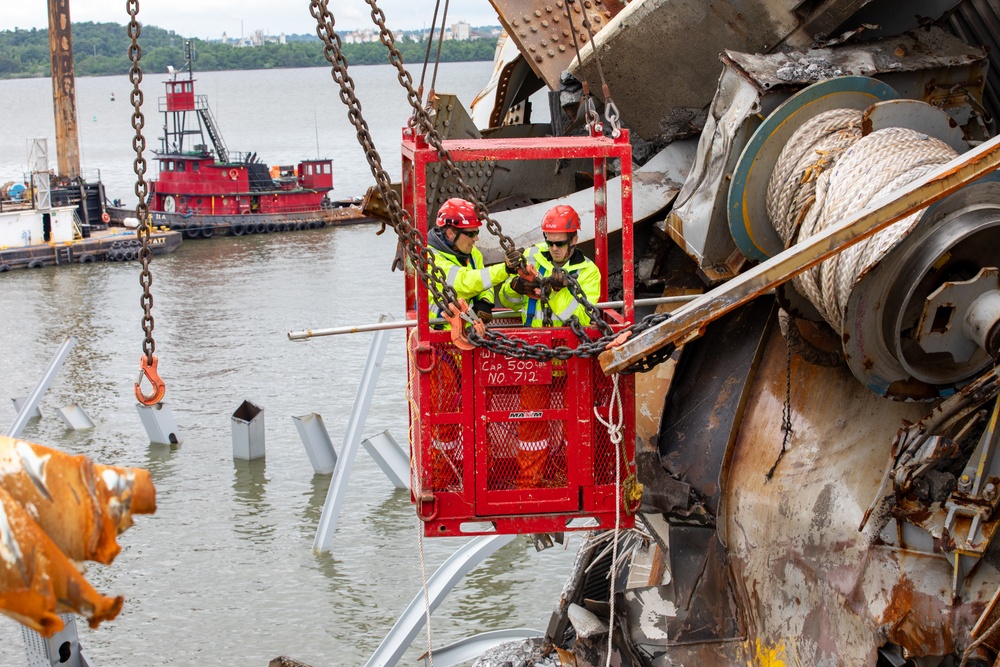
(352, 440)
(439, 585)
(31, 403)
(689, 321)
(64, 89)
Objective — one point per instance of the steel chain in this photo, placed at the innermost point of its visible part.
(431, 134)
(141, 187)
(431, 275)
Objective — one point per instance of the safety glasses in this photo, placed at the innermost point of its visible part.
(471, 233)
(557, 244)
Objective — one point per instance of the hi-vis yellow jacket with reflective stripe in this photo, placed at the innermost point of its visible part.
(470, 278)
(564, 305)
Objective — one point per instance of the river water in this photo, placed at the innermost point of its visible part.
(224, 572)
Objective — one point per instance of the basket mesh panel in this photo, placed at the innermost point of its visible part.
(604, 453)
(446, 446)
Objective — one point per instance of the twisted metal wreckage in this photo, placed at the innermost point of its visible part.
(819, 485)
(57, 510)
(816, 455)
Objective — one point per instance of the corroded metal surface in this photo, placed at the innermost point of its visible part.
(698, 425)
(64, 88)
(823, 592)
(541, 29)
(55, 507)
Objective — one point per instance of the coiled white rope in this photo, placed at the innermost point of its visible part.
(815, 147)
(851, 178)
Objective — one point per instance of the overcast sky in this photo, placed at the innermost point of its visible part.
(210, 18)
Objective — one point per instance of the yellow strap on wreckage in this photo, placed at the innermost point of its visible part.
(56, 509)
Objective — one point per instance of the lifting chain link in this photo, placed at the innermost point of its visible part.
(423, 120)
(148, 364)
(431, 275)
(420, 256)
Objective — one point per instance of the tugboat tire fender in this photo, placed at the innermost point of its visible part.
(87, 258)
(271, 227)
(36, 264)
(129, 254)
(4, 267)
(261, 228)
(238, 229)
(208, 230)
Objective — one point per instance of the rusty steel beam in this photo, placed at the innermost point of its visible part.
(688, 322)
(64, 89)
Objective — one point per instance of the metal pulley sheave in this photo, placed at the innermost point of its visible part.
(916, 306)
(926, 319)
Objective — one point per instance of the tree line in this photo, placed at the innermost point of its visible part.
(101, 49)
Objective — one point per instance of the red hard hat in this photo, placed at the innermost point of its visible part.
(561, 218)
(458, 213)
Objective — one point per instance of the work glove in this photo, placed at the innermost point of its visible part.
(484, 309)
(558, 280)
(526, 287)
(513, 260)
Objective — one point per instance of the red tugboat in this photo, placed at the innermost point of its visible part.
(202, 193)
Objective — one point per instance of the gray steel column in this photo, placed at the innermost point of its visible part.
(390, 457)
(352, 439)
(31, 404)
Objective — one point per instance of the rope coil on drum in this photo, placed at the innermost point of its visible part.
(863, 169)
(915, 306)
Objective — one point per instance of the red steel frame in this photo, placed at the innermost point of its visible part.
(484, 405)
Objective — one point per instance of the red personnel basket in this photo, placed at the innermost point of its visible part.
(507, 445)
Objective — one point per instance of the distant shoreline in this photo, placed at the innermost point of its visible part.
(101, 49)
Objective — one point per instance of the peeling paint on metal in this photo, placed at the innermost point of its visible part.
(768, 656)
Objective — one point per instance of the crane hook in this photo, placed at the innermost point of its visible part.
(149, 371)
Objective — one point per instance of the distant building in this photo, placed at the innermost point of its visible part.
(460, 31)
(360, 37)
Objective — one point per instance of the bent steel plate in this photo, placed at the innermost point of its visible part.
(749, 223)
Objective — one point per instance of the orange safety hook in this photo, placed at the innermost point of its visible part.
(456, 316)
(159, 389)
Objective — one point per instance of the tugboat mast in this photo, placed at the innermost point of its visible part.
(179, 101)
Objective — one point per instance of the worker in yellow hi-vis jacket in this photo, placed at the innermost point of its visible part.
(554, 259)
(453, 245)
